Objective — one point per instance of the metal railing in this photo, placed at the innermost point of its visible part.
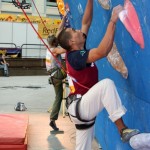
(27, 50)
(15, 46)
(33, 51)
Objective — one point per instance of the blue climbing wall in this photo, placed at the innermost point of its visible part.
(135, 90)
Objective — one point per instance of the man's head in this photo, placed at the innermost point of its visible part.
(71, 39)
(52, 41)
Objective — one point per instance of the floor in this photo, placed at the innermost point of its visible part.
(38, 96)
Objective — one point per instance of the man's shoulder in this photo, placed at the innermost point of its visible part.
(77, 54)
(77, 59)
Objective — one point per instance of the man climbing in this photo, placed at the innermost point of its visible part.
(88, 96)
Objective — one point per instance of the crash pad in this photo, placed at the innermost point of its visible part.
(13, 131)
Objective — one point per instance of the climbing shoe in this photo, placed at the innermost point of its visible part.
(127, 133)
(53, 125)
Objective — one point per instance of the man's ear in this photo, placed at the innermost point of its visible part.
(70, 42)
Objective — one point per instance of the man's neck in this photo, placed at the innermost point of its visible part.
(78, 47)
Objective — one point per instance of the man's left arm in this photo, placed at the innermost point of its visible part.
(87, 17)
(62, 24)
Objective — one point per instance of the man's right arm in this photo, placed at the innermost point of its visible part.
(106, 44)
(58, 50)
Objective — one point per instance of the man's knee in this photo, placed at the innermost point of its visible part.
(108, 81)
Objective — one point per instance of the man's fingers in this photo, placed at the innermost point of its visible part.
(117, 9)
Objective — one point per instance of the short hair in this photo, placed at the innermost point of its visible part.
(52, 40)
(63, 39)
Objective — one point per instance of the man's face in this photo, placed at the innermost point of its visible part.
(77, 37)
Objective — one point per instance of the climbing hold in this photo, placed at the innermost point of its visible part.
(130, 20)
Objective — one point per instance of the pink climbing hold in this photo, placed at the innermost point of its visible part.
(130, 20)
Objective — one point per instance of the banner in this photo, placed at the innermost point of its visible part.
(45, 26)
(49, 29)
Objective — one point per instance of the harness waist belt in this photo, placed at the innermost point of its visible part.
(78, 97)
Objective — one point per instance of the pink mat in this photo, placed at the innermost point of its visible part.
(13, 131)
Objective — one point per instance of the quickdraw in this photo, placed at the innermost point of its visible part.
(22, 5)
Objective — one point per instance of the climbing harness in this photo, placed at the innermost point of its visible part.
(87, 123)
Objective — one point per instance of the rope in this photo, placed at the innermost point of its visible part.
(40, 16)
(48, 47)
(41, 37)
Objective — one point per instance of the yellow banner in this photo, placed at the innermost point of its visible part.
(51, 24)
(49, 29)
